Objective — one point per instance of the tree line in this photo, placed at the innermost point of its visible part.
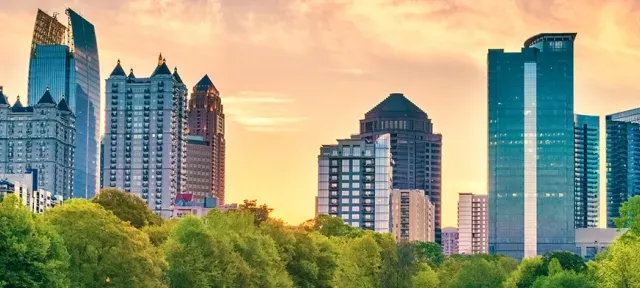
(114, 240)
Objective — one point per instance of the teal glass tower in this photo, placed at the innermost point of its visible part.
(70, 67)
(531, 147)
(587, 163)
(623, 156)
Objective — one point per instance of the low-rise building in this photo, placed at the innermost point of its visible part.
(450, 241)
(25, 186)
(591, 241)
(412, 215)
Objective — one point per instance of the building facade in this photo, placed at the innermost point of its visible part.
(412, 216)
(145, 139)
(623, 156)
(70, 68)
(25, 186)
(587, 166)
(531, 147)
(198, 167)
(473, 224)
(450, 241)
(188, 204)
(39, 137)
(354, 182)
(416, 150)
(591, 241)
(206, 119)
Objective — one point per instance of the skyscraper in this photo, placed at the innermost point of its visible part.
(198, 168)
(587, 165)
(39, 137)
(412, 216)
(144, 139)
(416, 150)
(473, 222)
(623, 156)
(71, 68)
(354, 182)
(206, 119)
(531, 147)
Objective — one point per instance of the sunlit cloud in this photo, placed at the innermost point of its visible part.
(259, 111)
(350, 71)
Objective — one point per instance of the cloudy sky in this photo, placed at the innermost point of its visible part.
(296, 74)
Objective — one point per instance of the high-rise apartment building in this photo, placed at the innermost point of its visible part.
(449, 241)
(531, 147)
(71, 67)
(473, 224)
(415, 148)
(39, 137)
(144, 143)
(354, 182)
(206, 119)
(587, 166)
(623, 156)
(25, 186)
(412, 216)
(198, 168)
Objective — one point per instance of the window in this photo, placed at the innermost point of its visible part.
(345, 201)
(355, 200)
(344, 185)
(346, 151)
(355, 193)
(345, 208)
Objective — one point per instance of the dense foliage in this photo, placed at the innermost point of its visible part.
(114, 241)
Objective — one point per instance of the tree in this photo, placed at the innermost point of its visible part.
(101, 247)
(260, 213)
(565, 279)
(448, 272)
(359, 262)
(630, 216)
(127, 207)
(31, 253)
(527, 273)
(330, 226)
(618, 266)
(554, 267)
(426, 278)
(568, 261)
(158, 235)
(480, 273)
(431, 252)
(197, 259)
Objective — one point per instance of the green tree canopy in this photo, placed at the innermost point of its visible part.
(430, 252)
(426, 278)
(359, 262)
(330, 226)
(618, 266)
(260, 212)
(480, 273)
(568, 261)
(31, 253)
(564, 279)
(527, 273)
(127, 207)
(104, 247)
(630, 216)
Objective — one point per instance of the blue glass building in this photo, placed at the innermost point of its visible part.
(72, 69)
(623, 156)
(531, 147)
(415, 149)
(587, 165)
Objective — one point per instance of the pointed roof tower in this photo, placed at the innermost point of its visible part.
(118, 71)
(63, 106)
(177, 76)
(131, 75)
(205, 84)
(3, 98)
(162, 68)
(17, 106)
(47, 98)
(396, 105)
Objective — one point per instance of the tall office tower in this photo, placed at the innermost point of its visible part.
(587, 165)
(39, 137)
(473, 222)
(354, 182)
(449, 241)
(412, 216)
(416, 150)
(531, 147)
(198, 168)
(623, 156)
(71, 67)
(144, 142)
(206, 119)
(102, 163)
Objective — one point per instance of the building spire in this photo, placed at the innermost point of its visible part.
(160, 59)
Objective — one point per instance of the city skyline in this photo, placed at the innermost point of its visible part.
(429, 74)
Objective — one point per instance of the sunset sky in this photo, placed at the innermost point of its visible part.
(296, 74)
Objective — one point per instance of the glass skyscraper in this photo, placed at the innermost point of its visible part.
(416, 150)
(354, 182)
(623, 156)
(587, 163)
(71, 68)
(531, 147)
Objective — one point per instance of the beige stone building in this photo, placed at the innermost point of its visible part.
(473, 222)
(413, 216)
